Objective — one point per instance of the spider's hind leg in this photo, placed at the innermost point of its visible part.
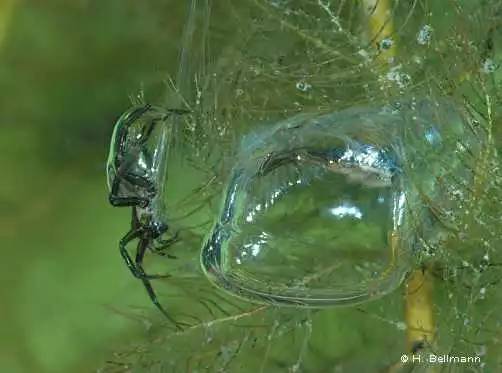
(136, 268)
(140, 254)
(148, 286)
(165, 244)
(154, 299)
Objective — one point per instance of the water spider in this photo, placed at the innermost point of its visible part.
(136, 172)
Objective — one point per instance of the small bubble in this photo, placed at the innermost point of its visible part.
(401, 325)
(460, 147)
(400, 78)
(303, 86)
(424, 35)
(386, 43)
(489, 66)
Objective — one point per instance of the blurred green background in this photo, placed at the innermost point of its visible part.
(66, 70)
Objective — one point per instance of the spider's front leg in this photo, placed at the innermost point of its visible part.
(124, 201)
(127, 201)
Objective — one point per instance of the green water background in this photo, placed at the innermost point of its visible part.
(66, 70)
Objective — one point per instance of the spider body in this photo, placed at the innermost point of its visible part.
(136, 172)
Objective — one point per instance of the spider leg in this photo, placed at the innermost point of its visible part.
(164, 244)
(133, 116)
(123, 201)
(140, 254)
(138, 181)
(153, 298)
(148, 286)
(135, 224)
(161, 253)
(136, 268)
(126, 201)
(147, 131)
(123, 171)
(131, 235)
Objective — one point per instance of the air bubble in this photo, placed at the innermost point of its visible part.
(424, 36)
(489, 66)
(399, 78)
(386, 43)
(401, 325)
(303, 86)
(316, 196)
(317, 208)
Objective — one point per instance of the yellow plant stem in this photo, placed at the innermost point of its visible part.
(380, 24)
(418, 311)
(6, 8)
(418, 296)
